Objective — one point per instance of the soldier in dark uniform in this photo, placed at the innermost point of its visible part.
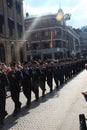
(3, 84)
(60, 73)
(65, 71)
(55, 74)
(49, 74)
(35, 79)
(14, 77)
(42, 77)
(26, 82)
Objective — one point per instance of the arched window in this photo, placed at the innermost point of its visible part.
(18, 6)
(2, 53)
(20, 29)
(1, 22)
(11, 24)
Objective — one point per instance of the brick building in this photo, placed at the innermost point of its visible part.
(11, 30)
(49, 38)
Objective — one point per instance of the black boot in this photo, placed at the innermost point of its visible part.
(19, 106)
(15, 112)
(28, 103)
(5, 114)
(43, 93)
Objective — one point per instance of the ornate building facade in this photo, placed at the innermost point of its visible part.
(83, 40)
(11, 30)
(49, 38)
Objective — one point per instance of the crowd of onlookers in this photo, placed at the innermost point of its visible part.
(29, 76)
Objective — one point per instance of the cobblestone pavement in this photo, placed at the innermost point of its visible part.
(58, 110)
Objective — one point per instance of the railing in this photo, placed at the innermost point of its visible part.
(45, 51)
(48, 38)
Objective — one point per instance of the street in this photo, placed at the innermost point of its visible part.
(58, 110)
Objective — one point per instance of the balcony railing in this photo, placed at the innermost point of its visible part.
(48, 38)
(46, 51)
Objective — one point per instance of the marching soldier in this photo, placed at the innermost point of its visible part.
(35, 79)
(3, 83)
(61, 73)
(55, 74)
(26, 82)
(14, 77)
(42, 77)
(49, 74)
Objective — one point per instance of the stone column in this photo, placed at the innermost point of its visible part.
(25, 55)
(7, 52)
(17, 55)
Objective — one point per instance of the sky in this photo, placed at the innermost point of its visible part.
(77, 9)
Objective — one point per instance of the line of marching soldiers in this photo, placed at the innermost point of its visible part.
(32, 75)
